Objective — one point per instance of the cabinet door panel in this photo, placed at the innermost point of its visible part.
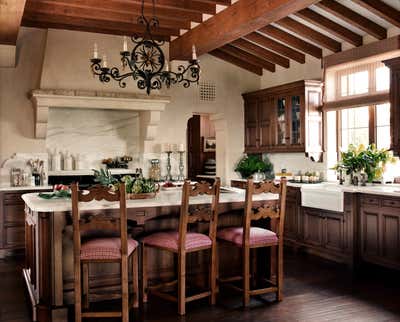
(251, 124)
(370, 232)
(313, 224)
(334, 232)
(14, 214)
(291, 219)
(265, 113)
(14, 237)
(314, 122)
(391, 236)
(296, 137)
(282, 134)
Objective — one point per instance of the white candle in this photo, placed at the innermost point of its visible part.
(166, 147)
(104, 61)
(194, 55)
(181, 147)
(125, 44)
(167, 66)
(95, 51)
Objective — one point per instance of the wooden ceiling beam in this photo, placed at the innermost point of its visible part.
(98, 30)
(129, 29)
(244, 55)
(330, 26)
(353, 18)
(237, 62)
(193, 5)
(164, 23)
(276, 46)
(291, 40)
(221, 2)
(382, 10)
(99, 9)
(310, 34)
(10, 20)
(261, 52)
(237, 20)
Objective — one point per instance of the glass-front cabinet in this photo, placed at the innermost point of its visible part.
(287, 118)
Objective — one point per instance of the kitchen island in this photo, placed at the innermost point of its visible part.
(48, 271)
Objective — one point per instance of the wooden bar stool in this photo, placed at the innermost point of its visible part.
(250, 238)
(183, 242)
(102, 250)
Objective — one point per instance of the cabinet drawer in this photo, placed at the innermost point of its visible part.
(369, 200)
(14, 237)
(14, 214)
(391, 203)
(13, 198)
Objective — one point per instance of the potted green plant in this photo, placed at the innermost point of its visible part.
(250, 164)
(368, 159)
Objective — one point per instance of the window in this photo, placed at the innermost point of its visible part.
(354, 126)
(365, 125)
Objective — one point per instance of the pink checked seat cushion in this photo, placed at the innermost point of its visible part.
(258, 235)
(169, 240)
(105, 248)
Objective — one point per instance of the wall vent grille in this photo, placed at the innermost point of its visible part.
(207, 91)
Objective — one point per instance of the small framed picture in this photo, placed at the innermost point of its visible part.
(209, 144)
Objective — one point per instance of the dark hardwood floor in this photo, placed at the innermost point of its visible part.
(315, 290)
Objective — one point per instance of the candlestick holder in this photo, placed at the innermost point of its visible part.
(168, 176)
(181, 176)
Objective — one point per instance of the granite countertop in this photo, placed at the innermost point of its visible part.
(25, 188)
(163, 198)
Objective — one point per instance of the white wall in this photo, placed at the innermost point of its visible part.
(65, 57)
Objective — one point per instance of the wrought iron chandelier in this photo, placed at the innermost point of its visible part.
(146, 62)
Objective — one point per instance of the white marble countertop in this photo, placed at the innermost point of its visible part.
(376, 189)
(25, 188)
(88, 172)
(163, 198)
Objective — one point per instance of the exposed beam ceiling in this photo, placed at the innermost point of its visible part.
(330, 26)
(237, 61)
(382, 10)
(261, 52)
(310, 34)
(353, 18)
(242, 32)
(238, 20)
(10, 20)
(276, 46)
(291, 40)
(252, 59)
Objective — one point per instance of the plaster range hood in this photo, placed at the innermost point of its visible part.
(149, 107)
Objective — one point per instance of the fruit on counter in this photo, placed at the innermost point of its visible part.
(168, 184)
(59, 187)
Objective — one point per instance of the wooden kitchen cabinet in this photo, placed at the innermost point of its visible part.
(394, 97)
(285, 118)
(380, 230)
(12, 222)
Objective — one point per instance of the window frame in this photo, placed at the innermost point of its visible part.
(372, 125)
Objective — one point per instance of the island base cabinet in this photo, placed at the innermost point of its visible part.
(380, 231)
(326, 234)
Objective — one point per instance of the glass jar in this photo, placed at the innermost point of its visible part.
(155, 170)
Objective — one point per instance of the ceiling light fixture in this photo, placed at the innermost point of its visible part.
(146, 62)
